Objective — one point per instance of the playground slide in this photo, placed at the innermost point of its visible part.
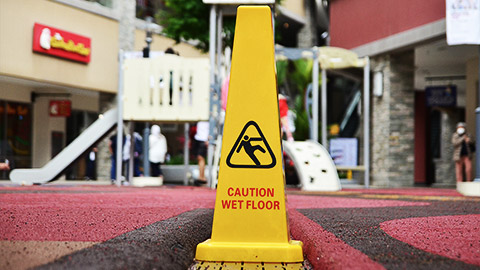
(315, 168)
(69, 154)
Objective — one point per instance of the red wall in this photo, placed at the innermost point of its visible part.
(357, 22)
(421, 111)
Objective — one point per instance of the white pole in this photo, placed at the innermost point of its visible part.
(324, 108)
(118, 160)
(315, 69)
(186, 153)
(219, 43)
(131, 164)
(213, 95)
(366, 121)
(211, 51)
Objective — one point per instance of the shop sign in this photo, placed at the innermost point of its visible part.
(59, 43)
(344, 151)
(441, 96)
(62, 108)
(462, 22)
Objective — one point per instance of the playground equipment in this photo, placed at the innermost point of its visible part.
(80, 145)
(163, 89)
(334, 58)
(167, 89)
(315, 168)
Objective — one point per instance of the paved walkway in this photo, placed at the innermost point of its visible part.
(109, 227)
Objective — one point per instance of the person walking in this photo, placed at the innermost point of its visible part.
(284, 121)
(462, 152)
(157, 150)
(90, 158)
(113, 154)
(137, 153)
(200, 143)
(4, 166)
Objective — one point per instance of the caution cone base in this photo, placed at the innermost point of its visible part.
(200, 265)
(249, 252)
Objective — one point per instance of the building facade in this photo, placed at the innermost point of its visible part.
(411, 64)
(59, 72)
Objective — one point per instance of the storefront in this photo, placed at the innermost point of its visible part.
(15, 134)
(56, 64)
(59, 72)
(422, 86)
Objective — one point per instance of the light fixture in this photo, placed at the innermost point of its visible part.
(378, 83)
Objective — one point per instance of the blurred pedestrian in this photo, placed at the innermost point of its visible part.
(200, 143)
(224, 93)
(5, 166)
(90, 171)
(113, 155)
(283, 108)
(464, 147)
(157, 151)
(137, 152)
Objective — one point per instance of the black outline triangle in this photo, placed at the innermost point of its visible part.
(271, 165)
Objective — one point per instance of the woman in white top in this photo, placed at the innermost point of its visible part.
(157, 150)
(200, 143)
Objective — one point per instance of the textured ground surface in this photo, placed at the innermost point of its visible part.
(106, 227)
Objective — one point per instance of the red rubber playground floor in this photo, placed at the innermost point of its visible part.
(108, 227)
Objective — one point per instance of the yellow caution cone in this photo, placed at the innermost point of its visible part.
(250, 222)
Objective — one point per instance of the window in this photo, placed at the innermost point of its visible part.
(146, 8)
(15, 135)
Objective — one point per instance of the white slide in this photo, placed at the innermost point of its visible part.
(315, 168)
(69, 154)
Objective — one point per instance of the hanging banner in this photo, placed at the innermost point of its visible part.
(463, 22)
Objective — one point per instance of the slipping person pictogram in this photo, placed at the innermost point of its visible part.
(250, 143)
(249, 149)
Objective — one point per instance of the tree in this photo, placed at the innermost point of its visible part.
(189, 20)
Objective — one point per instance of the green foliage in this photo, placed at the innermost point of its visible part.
(302, 129)
(175, 160)
(302, 73)
(301, 76)
(189, 20)
(297, 75)
(178, 160)
(282, 67)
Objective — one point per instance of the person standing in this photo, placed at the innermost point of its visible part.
(283, 110)
(462, 152)
(4, 166)
(200, 143)
(157, 150)
(113, 154)
(137, 153)
(90, 171)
